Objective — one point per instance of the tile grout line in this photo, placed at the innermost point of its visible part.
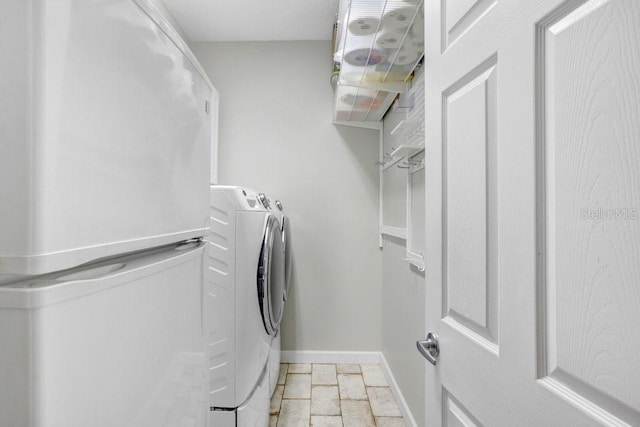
(310, 395)
(375, 422)
(340, 397)
(282, 398)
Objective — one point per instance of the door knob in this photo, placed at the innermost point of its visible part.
(429, 348)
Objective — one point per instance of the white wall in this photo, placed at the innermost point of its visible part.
(162, 8)
(276, 136)
(403, 289)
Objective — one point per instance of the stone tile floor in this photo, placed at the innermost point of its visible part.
(328, 395)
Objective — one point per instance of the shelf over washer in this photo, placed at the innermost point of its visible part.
(379, 44)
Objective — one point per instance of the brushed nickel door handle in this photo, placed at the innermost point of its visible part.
(429, 348)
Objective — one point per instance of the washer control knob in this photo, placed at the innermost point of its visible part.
(278, 204)
(263, 200)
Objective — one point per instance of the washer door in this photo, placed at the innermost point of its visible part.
(286, 241)
(271, 278)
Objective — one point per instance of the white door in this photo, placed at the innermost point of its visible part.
(533, 221)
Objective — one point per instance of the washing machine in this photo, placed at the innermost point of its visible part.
(274, 357)
(243, 304)
(277, 207)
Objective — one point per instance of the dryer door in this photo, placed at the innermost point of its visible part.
(286, 240)
(271, 276)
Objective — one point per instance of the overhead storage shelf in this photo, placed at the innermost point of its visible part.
(379, 43)
(359, 105)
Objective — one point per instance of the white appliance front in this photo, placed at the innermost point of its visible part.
(106, 128)
(114, 343)
(274, 362)
(276, 344)
(236, 307)
(255, 411)
(288, 254)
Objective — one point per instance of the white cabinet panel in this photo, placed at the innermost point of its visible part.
(592, 174)
(470, 237)
(454, 414)
(458, 16)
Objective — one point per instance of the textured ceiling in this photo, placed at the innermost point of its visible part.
(244, 20)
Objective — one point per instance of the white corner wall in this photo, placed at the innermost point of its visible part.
(403, 291)
(403, 323)
(276, 136)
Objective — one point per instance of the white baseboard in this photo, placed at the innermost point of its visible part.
(397, 394)
(355, 357)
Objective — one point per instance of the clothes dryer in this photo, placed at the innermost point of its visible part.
(277, 207)
(275, 353)
(243, 304)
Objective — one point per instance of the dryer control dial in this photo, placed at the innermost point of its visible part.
(263, 200)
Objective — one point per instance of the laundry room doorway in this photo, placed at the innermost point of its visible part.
(532, 222)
